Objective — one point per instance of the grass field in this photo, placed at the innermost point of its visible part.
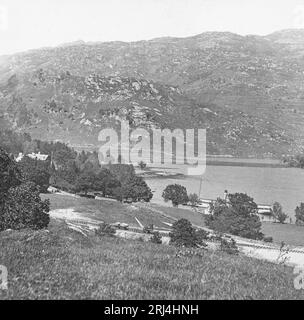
(289, 233)
(113, 211)
(62, 264)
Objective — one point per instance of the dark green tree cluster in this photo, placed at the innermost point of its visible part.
(36, 171)
(175, 193)
(20, 204)
(74, 172)
(236, 216)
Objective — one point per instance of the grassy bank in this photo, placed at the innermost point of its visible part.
(62, 264)
(113, 211)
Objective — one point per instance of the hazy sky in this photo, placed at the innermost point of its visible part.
(26, 24)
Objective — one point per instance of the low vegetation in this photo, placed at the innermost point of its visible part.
(156, 238)
(105, 229)
(60, 263)
(299, 211)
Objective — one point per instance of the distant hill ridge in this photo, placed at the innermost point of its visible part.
(246, 90)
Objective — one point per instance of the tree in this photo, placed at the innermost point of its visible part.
(193, 199)
(300, 214)
(10, 175)
(106, 182)
(138, 189)
(62, 155)
(122, 172)
(175, 193)
(183, 234)
(86, 182)
(23, 208)
(237, 217)
(36, 171)
(242, 203)
(134, 188)
(278, 213)
(131, 186)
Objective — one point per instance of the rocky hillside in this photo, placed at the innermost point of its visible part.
(247, 91)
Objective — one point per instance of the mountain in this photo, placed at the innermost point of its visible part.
(246, 90)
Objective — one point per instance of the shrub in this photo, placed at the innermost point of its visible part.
(183, 234)
(142, 165)
(104, 229)
(175, 193)
(148, 229)
(201, 236)
(278, 213)
(156, 238)
(23, 208)
(268, 239)
(229, 246)
(300, 214)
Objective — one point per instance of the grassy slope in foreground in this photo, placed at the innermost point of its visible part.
(62, 264)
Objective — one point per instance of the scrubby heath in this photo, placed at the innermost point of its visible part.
(59, 263)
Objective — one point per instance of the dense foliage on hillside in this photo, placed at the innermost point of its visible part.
(74, 172)
(20, 204)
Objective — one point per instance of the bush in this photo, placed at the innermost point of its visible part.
(175, 193)
(142, 165)
(23, 208)
(229, 247)
(300, 214)
(148, 229)
(157, 238)
(104, 229)
(183, 234)
(268, 239)
(201, 236)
